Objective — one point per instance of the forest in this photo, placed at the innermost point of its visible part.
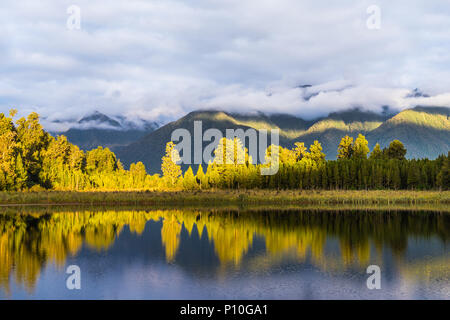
(33, 160)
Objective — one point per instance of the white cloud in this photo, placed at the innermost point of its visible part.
(159, 59)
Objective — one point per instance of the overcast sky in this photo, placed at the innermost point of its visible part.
(159, 59)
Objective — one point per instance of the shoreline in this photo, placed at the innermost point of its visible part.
(227, 197)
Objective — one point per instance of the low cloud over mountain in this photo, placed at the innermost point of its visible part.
(158, 60)
(97, 129)
(98, 120)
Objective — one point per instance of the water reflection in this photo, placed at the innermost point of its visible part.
(330, 240)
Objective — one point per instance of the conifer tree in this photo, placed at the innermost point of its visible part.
(443, 178)
(413, 176)
(376, 153)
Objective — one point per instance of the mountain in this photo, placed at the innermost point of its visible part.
(416, 93)
(151, 148)
(98, 129)
(425, 131)
(99, 118)
(329, 130)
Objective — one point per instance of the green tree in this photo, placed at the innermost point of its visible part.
(55, 163)
(443, 178)
(9, 150)
(413, 178)
(396, 150)
(33, 142)
(77, 158)
(376, 153)
(21, 174)
(101, 160)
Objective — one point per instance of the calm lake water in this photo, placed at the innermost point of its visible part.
(223, 254)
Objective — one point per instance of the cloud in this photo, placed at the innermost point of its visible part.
(159, 59)
(316, 101)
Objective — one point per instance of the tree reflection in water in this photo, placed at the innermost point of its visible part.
(30, 240)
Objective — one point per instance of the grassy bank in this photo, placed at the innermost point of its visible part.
(224, 197)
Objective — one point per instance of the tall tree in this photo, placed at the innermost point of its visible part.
(376, 153)
(33, 142)
(138, 174)
(315, 152)
(101, 160)
(300, 150)
(360, 147)
(189, 181)
(9, 151)
(396, 150)
(169, 167)
(443, 178)
(345, 148)
(201, 177)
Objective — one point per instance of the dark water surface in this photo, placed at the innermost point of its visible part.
(223, 254)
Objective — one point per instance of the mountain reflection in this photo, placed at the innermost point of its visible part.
(30, 240)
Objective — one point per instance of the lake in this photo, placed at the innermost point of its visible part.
(143, 253)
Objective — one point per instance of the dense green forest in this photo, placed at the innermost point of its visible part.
(31, 159)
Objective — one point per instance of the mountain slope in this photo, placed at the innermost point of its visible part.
(424, 131)
(329, 130)
(88, 139)
(151, 148)
(99, 118)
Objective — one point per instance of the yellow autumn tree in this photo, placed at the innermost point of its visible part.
(169, 167)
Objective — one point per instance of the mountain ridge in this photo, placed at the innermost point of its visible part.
(97, 129)
(432, 123)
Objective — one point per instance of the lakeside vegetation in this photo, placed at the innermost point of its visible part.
(213, 198)
(32, 160)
